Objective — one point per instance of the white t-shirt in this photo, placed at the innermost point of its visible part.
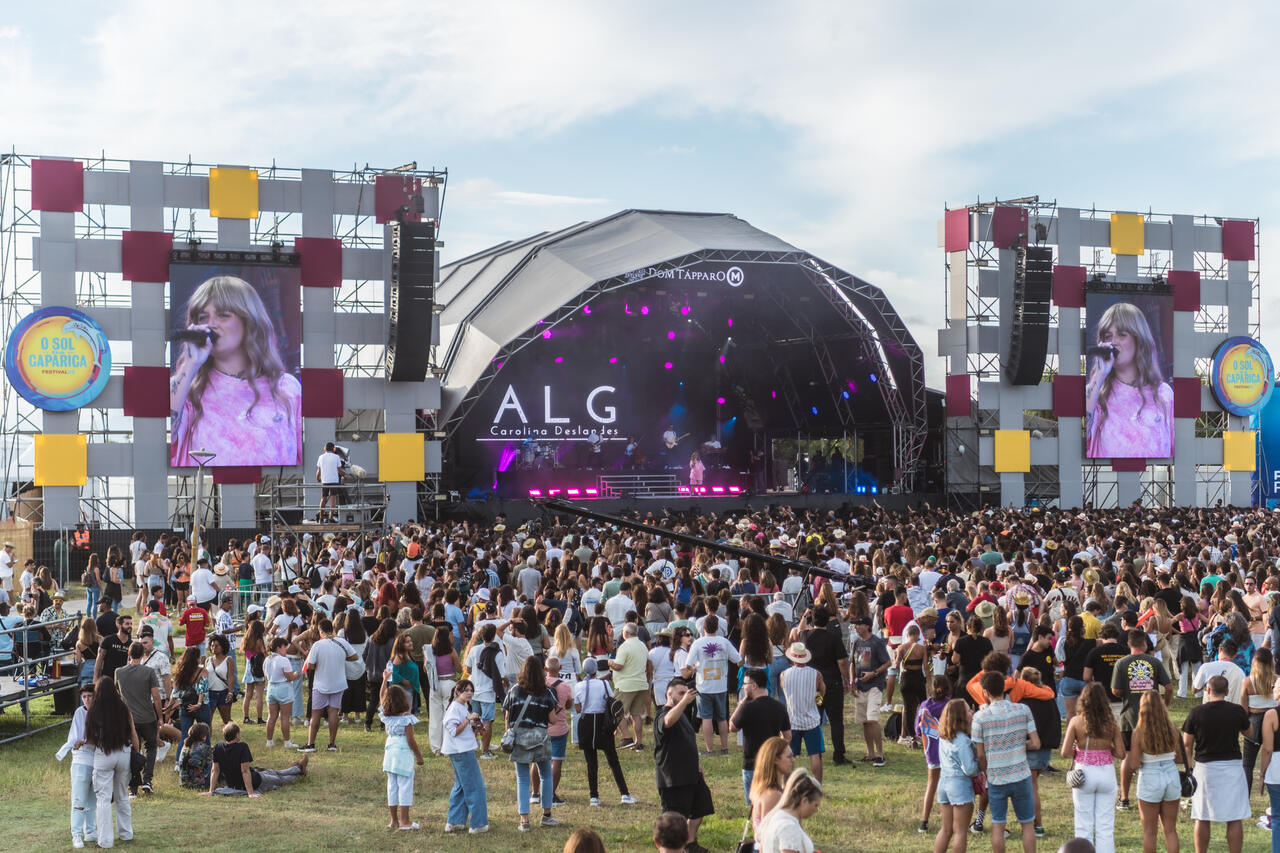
(781, 831)
(455, 744)
(275, 667)
(590, 598)
(202, 585)
(616, 609)
(135, 550)
(280, 625)
(1225, 668)
(483, 684)
(6, 564)
(329, 657)
(529, 580)
(709, 657)
(664, 669)
(329, 464)
(518, 651)
(261, 568)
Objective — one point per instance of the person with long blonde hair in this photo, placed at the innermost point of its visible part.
(1257, 693)
(1154, 749)
(782, 829)
(231, 394)
(1093, 740)
(1128, 402)
(774, 764)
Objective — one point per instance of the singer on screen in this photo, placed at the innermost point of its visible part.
(231, 394)
(1128, 403)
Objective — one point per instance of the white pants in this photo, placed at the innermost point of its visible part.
(111, 783)
(399, 789)
(437, 704)
(83, 803)
(1186, 678)
(1095, 807)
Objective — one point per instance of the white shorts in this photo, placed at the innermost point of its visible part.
(1222, 794)
(399, 789)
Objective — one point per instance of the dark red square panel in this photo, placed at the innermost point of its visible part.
(1237, 240)
(321, 261)
(1186, 289)
(1130, 466)
(321, 392)
(237, 475)
(144, 255)
(1068, 396)
(146, 392)
(959, 396)
(956, 230)
(1068, 286)
(1186, 397)
(1008, 227)
(57, 185)
(391, 192)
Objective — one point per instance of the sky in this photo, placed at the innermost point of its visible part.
(844, 128)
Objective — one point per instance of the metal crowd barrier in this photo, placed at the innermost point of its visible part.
(32, 668)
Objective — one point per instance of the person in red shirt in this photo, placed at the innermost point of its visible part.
(895, 624)
(196, 621)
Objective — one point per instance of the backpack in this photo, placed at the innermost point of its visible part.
(1021, 639)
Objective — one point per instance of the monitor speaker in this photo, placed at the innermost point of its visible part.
(1029, 335)
(413, 270)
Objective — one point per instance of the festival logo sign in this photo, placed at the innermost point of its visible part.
(58, 359)
(1242, 376)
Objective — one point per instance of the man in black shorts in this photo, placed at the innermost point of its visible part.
(681, 787)
(329, 475)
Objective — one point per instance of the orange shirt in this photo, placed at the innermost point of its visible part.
(1015, 690)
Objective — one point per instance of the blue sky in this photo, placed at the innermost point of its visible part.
(843, 128)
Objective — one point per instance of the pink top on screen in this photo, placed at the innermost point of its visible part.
(1130, 429)
(269, 434)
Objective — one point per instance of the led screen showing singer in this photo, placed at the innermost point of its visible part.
(1128, 398)
(234, 355)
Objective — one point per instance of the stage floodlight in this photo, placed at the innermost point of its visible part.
(535, 493)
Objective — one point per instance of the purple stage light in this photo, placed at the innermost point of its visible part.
(668, 365)
(593, 493)
(719, 490)
(500, 364)
(722, 359)
(872, 377)
(671, 336)
(719, 401)
(553, 492)
(813, 409)
(573, 493)
(586, 309)
(626, 308)
(613, 360)
(733, 490)
(844, 394)
(559, 359)
(644, 310)
(684, 490)
(509, 454)
(535, 493)
(730, 322)
(773, 395)
(546, 335)
(684, 311)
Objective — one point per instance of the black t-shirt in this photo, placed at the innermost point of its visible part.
(115, 654)
(539, 711)
(1075, 657)
(106, 623)
(1102, 660)
(1044, 662)
(972, 650)
(1216, 727)
(675, 751)
(826, 649)
(229, 758)
(1133, 676)
(760, 719)
(1172, 598)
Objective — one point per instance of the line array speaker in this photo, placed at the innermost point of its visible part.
(413, 265)
(1029, 338)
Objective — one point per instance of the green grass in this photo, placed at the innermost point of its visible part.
(341, 806)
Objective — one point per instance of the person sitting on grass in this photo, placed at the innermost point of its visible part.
(196, 758)
(231, 763)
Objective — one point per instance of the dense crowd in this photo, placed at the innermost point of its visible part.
(988, 640)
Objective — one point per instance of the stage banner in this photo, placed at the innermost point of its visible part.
(1268, 425)
(58, 359)
(1242, 376)
(1128, 395)
(235, 334)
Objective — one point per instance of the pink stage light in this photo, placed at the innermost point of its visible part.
(719, 401)
(719, 490)
(722, 359)
(586, 309)
(559, 359)
(773, 395)
(684, 490)
(671, 336)
(535, 493)
(626, 308)
(573, 493)
(644, 310)
(593, 493)
(731, 322)
(546, 335)
(702, 490)
(733, 490)
(684, 311)
(668, 365)
(613, 360)
(500, 364)
(553, 492)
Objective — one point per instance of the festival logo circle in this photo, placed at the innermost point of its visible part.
(1242, 376)
(58, 359)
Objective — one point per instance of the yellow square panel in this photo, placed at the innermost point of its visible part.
(1013, 451)
(1127, 234)
(402, 457)
(233, 193)
(1239, 450)
(61, 460)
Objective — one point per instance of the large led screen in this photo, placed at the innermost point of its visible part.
(1128, 394)
(234, 359)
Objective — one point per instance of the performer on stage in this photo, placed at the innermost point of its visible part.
(696, 469)
(595, 442)
(629, 453)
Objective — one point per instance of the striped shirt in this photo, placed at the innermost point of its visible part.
(800, 686)
(1002, 728)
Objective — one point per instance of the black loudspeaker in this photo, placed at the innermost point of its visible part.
(413, 276)
(1029, 338)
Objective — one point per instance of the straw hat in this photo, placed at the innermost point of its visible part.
(797, 653)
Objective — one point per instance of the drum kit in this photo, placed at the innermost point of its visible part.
(537, 455)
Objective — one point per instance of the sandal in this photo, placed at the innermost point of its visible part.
(410, 827)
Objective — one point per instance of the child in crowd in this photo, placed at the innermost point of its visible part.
(927, 730)
(399, 755)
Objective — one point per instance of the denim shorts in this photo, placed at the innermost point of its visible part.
(1070, 687)
(558, 746)
(280, 693)
(1038, 759)
(713, 706)
(812, 740)
(1158, 782)
(484, 709)
(955, 790)
(1020, 794)
(219, 698)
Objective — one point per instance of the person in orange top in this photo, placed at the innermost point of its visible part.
(1016, 689)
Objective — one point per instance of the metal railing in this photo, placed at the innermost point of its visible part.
(33, 668)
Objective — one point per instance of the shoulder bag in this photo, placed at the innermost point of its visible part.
(1184, 776)
(613, 710)
(1075, 778)
(519, 741)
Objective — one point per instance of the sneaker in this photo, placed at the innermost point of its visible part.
(724, 752)
(271, 744)
(476, 830)
(548, 820)
(162, 750)
(628, 800)
(1039, 832)
(77, 842)
(886, 709)
(410, 828)
(595, 801)
(526, 827)
(333, 747)
(1124, 805)
(290, 745)
(453, 827)
(841, 761)
(311, 747)
(246, 722)
(976, 826)
(146, 788)
(923, 828)
(556, 801)
(904, 741)
(879, 762)
(487, 756)
(1264, 822)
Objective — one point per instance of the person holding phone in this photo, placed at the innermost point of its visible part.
(681, 785)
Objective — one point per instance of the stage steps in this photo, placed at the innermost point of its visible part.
(638, 485)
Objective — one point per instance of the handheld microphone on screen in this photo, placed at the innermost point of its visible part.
(1106, 351)
(194, 336)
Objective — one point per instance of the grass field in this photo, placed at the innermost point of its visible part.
(341, 806)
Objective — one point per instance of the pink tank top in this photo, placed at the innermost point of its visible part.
(1094, 757)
